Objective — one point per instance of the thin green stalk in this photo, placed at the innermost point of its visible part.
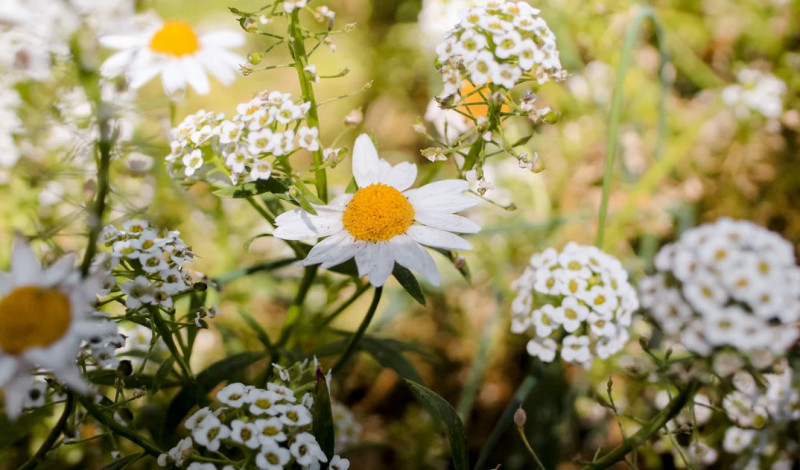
(362, 328)
(648, 430)
(341, 308)
(95, 218)
(240, 273)
(51, 439)
(295, 310)
(118, 428)
(525, 389)
(616, 108)
(165, 332)
(298, 49)
(530, 449)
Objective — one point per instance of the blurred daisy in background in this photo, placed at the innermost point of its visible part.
(45, 315)
(384, 222)
(175, 51)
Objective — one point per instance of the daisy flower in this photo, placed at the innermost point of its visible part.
(45, 314)
(383, 222)
(173, 50)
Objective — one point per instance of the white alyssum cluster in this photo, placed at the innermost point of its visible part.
(271, 424)
(498, 42)
(577, 301)
(347, 429)
(268, 126)
(159, 257)
(726, 284)
(760, 415)
(756, 91)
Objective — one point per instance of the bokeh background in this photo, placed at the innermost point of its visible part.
(711, 163)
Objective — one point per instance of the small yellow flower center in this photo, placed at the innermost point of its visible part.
(378, 213)
(32, 317)
(175, 38)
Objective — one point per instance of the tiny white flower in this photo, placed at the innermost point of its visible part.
(245, 433)
(234, 395)
(272, 456)
(306, 450)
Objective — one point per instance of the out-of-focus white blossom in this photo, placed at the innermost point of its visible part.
(756, 91)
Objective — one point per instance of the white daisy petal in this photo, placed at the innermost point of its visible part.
(117, 64)
(330, 250)
(173, 77)
(118, 41)
(227, 39)
(446, 221)
(196, 76)
(300, 225)
(366, 164)
(400, 176)
(437, 238)
(437, 188)
(383, 264)
(411, 255)
(365, 258)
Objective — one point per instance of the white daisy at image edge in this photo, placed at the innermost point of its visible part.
(173, 50)
(383, 222)
(45, 314)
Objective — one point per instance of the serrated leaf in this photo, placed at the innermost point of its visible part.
(323, 428)
(409, 283)
(252, 188)
(122, 463)
(217, 372)
(439, 407)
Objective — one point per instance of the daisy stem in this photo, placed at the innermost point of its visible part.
(361, 289)
(521, 432)
(362, 328)
(296, 309)
(298, 49)
(124, 431)
(48, 443)
(648, 430)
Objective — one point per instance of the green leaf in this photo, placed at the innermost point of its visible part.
(13, 431)
(252, 188)
(524, 140)
(409, 283)
(119, 464)
(323, 416)
(389, 355)
(438, 406)
(216, 373)
(257, 328)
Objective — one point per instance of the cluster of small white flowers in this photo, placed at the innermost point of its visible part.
(272, 424)
(499, 42)
(266, 127)
(756, 91)
(760, 415)
(728, 283)
(10, 125)
(580, 294)
(160, 257)
(103, 344)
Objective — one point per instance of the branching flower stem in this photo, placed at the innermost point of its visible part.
(362, 328)
(648, 430)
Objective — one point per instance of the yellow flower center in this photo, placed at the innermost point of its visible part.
(378, 213)
(175, 38)
(32, 317)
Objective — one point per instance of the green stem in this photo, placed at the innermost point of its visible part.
(525, 389)
(95, 218)
(648, 430)
(616, 108)
(48, 443)
(165, 332)
(295, 310)
(298, 49)
(362, 328)
(341, 308)
(117, 428)
(530, 449)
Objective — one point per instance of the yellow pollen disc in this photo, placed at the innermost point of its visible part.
(378, 213)
(175, 38)
(32, 317)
